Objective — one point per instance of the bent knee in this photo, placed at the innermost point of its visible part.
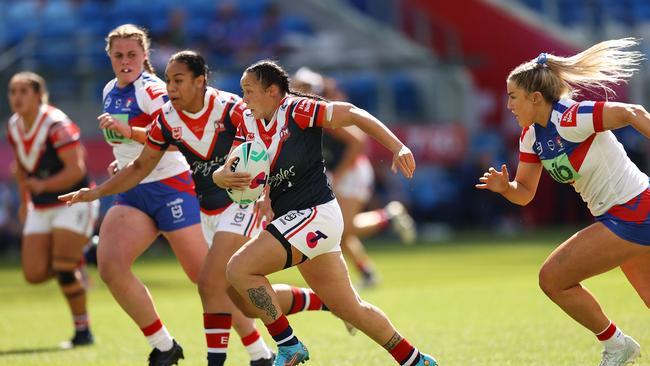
(110, 272)
(234, 270)
(548, 281)
(35, 277)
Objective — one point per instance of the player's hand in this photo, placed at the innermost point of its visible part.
(404, 161)
(112, 168)
(35, 185)
(494, 180)
(225, 178)
(263, 208)
(108, 122)
(82, 195)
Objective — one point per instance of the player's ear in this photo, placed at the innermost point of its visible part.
(537, 97)
(200, 81)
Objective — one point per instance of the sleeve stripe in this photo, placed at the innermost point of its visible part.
(598, 116)
(67, 145)
(153, 145)
(528, 157)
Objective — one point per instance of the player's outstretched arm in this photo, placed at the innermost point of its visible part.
(346, 114)
(616, 115)
(521, 190)
(123, 180)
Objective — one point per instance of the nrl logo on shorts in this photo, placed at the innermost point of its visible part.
(177, 133)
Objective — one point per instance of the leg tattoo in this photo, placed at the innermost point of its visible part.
(393, 341)
(262, 300)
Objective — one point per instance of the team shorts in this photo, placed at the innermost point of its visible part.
(631, 220)
(313, 231)
(79, 218)
(358, 182)
(236, 218)
(170, 202)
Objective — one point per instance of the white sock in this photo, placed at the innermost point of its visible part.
(256, 347)
(161, 340)
(615, 341)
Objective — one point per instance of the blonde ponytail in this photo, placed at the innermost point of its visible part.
(596, 68)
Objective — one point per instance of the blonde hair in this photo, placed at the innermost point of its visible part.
(601, 65)
(36, 81)
(131, 31)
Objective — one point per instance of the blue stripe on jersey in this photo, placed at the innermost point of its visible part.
(586, 109)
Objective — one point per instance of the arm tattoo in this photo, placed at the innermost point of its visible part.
(393, 341)
(262, 300)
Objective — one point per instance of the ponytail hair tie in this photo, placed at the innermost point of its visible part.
(541, 59)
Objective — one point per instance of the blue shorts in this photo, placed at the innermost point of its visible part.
(170, 202)
(631, 220)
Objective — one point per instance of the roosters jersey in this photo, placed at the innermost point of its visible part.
(293, 139)
(575, 149)
(37, 149)
(137, 105)
(204, 138)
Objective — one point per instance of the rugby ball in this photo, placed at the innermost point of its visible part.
(250, 157)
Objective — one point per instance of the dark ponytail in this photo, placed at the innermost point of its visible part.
(268, 73)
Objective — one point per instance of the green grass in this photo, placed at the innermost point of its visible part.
(465, 302)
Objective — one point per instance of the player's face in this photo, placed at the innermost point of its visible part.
(520, 104)
(185, 90)
(257, 98)
(23, 99)
(127, 58)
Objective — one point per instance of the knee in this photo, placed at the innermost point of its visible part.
(235, 271)
(110, 271)
(35, 277)
(348, 310)
(547, 281)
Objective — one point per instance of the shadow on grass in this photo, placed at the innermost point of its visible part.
(28, 351)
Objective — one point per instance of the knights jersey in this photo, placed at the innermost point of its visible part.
(137, 105)
(204, 138)
(37, 149)
(574, 149)
(293, 139)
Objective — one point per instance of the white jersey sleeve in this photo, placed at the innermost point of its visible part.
(527, 152)
(580, 120)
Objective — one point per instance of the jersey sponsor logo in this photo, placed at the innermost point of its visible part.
(313, 237)
(177, 133)
(205, 168)
(560, 169)
(570, 117)
(250, 136)
(154, 91)
(304, 112)
(284, 174)
(128, 103)
(219, 126)
(239, 218)
(284, 133)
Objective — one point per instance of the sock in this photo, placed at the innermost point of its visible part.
(281, 332)
(158, 336)
(384, 218)
(81, 322)
(256, 346)
(365, 269)
(405, 354)
(217, 332)
(612, 338)
(305, 299)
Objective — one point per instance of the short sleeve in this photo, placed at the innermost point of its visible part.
(309, 112)
(64, 134)
(581, 120)
(155, 138)
(153, 98)
(526, 141)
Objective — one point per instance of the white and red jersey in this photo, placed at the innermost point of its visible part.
(37, 149)
(204, 138)
(137, 105)
(575, 149)
(293, 139)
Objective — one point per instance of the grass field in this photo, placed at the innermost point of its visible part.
(473, 301)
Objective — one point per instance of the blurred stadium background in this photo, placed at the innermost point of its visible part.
(433, 70)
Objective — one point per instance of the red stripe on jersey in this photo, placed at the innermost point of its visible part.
(152, 328)
(598, 116)
(141, 120)
(197, 125)
(188, 146)
(523, 133)
(27, 143)
(63, 133)
(313, 216)
(577, 157)
(237, 113)
(279, 149)
(155, 90)
(182, 182)
(635, 210)
(267, 136)
(251, 338)
(528, 157)
(321, 112)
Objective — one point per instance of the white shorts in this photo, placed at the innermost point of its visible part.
(313, 231)
(79, 218)
(238, 219)
(358, 182)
